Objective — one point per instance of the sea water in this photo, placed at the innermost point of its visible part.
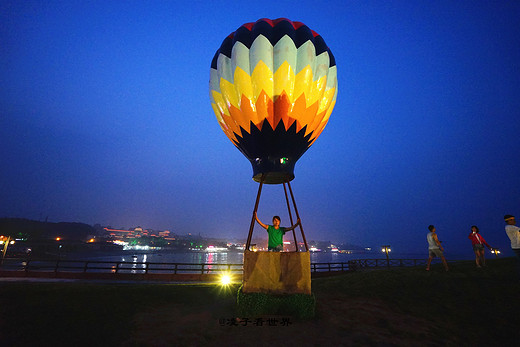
(234, 257)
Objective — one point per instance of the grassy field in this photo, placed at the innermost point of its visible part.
(395, 307)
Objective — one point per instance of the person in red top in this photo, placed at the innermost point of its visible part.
(478, 243)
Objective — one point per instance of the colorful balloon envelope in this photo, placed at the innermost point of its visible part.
(273, 85)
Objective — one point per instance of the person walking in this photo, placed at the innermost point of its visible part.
(478, 243)
(435, 248)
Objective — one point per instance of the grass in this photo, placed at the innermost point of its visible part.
(401, 306)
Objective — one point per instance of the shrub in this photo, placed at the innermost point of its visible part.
(255, 304)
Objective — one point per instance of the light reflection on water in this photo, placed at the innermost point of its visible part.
(238, 257)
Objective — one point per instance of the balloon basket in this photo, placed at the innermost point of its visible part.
(277, 272)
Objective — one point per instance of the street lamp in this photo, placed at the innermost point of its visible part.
(496, 251)
(386, 249)
(59, 247)
(6, 242)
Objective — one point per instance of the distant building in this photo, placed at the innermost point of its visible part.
(121, 234)
(166, 235)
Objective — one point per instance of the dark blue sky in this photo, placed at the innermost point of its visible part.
(105, 118)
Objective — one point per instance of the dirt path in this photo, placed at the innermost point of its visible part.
(339, 321)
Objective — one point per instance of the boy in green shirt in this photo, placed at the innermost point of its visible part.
(276, 232)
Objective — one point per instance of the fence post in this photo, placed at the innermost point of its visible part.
(146, 267)
(85, 266)
(57, 265)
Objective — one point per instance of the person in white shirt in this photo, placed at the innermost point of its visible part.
(514, 235)
(435, 248)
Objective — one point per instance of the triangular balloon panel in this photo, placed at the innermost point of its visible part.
(273, 85)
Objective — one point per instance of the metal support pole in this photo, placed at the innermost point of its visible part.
(252, 226)
(290, 216)
(298, 216)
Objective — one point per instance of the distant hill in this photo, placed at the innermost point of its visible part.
(35, 230)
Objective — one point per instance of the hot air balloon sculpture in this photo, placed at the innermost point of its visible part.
(273, 85)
